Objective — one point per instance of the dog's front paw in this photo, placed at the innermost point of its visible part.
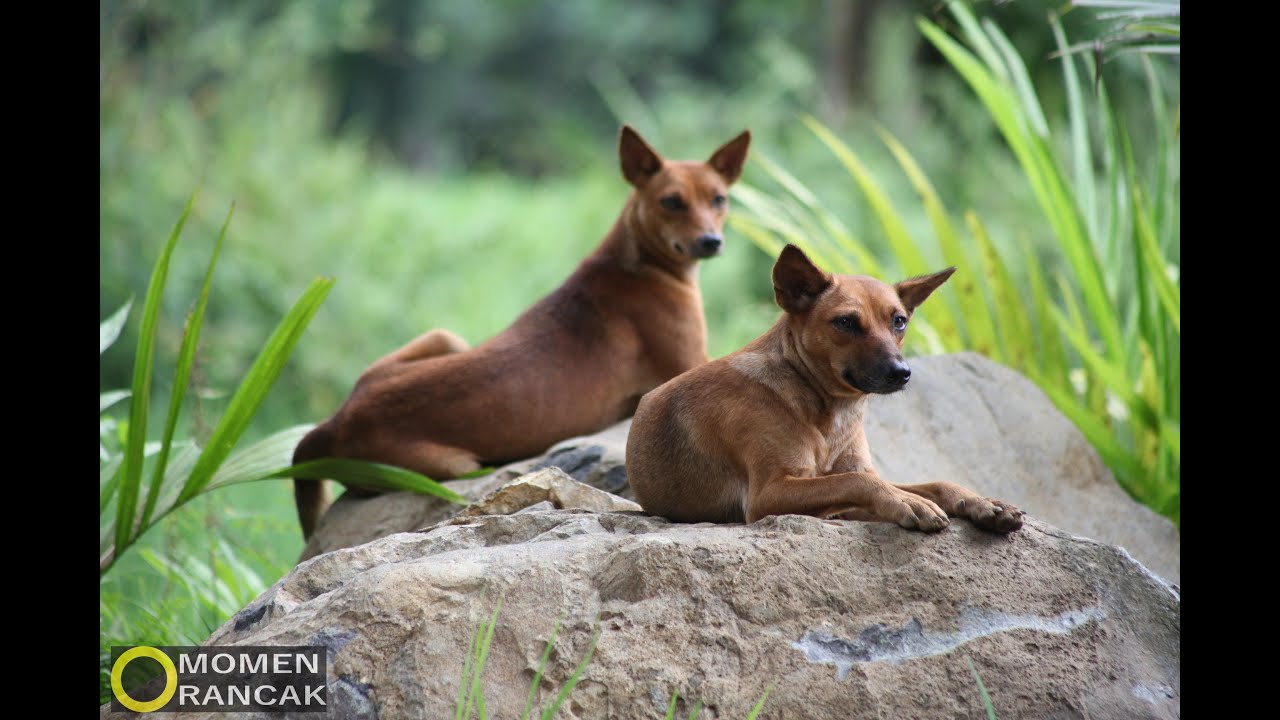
(991, 514)
(917, 513)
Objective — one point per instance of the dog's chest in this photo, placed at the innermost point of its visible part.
(843, 441)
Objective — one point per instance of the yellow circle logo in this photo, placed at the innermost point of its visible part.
(170, 679)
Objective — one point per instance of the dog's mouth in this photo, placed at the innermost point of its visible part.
(851, 381)
(697, 251)
(862, 385)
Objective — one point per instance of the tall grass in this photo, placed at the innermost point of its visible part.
(182, 470)
(1098, 326)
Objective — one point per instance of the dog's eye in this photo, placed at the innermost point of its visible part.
(672, 203)
(718, 201)
(847, 323)
(900, 322)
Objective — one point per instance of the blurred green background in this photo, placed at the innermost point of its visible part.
(450, 161)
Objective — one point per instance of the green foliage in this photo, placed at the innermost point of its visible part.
(179, 476)
(1143, 26)
(167, 591)
(1106, 348)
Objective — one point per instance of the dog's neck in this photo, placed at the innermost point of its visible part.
(832, 396)
(625, 246)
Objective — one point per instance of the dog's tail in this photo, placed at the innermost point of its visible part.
(312, 494)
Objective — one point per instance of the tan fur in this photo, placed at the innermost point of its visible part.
(628, 319)
(777, 427)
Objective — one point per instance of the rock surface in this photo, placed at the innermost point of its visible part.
(549, 486)
(845, 619)
(972, 421)
(596, 460)
(963, 418)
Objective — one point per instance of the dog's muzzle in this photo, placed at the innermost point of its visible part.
(706, 246)
(887, 380)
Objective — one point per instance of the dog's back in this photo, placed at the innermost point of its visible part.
(626, 320)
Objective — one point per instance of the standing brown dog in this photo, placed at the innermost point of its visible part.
(628, 319)
(776, 428)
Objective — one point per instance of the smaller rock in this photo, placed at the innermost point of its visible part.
(547, 485)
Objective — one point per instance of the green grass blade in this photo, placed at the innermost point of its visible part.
(757, 234)
(1112, 376)
(981, 43)
(1044, 176)
(464, 686)
(979, 331)
(110, 328)
(671, 708)
(904, 248)
(1052, 368)
(360, 472)
(697, 708)
(760, 705)
(769, 214)
(835, 231)
(482, 656)
(574, 678)
(182, 374)
(253, 389)
(1015, 329)
(144, 361)
(1169, 295)
(268, 458)
(982, 691)
(1125, 464)
(1020, 79)
(1094, 390)
(1081, 150)
(542, 666)
(814, 221)
(180, 465)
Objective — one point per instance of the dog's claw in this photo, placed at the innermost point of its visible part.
(1001, 517)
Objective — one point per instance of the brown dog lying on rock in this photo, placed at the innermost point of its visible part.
(776, 428)
(628, 319)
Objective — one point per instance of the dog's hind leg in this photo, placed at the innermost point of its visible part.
(957, 501)
(435, 460)
(430, 344)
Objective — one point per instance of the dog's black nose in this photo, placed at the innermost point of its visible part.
(709, 244)
(899, 373)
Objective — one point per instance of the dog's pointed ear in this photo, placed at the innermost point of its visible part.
(731, 156)
(639, 161)
(797, 282)
(914, 291)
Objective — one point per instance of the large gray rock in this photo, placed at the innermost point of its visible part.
(843, 619)
(596, 460)
(972, 421)
(963, 418)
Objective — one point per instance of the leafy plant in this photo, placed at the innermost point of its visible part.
(182, 470)
(1136, 27)
(1099, 331)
